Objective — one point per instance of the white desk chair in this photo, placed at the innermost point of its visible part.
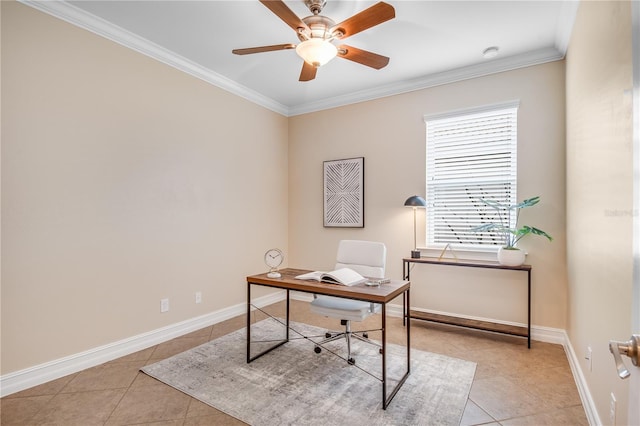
(368, 259)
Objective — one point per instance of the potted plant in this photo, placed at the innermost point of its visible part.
(508, 253)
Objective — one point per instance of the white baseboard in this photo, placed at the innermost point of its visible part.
(560, 337)
(39, 374)
(581, 382)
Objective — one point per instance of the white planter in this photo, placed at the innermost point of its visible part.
(510, 257)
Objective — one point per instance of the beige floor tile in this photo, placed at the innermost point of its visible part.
(227, 327)
(201, 414)
(474, 415)
(512, 384)
(573, 416)
(176, 346)
(49, 388)
(143, 380)
(202, 333)
(112, 375)
(502, 398)
(81, 409)
(142, 355)
(19, 411)
(155, 403)
(554, 385)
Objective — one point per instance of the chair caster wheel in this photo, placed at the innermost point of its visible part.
(317, 349)
(327, 335)
(351, 361)
(365, 335)
(380, 350)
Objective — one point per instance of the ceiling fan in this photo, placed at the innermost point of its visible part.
(317, 33)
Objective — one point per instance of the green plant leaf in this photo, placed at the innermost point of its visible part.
(511, 235)
(526, 203)
(540, 232)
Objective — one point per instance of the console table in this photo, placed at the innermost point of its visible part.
(462, 322)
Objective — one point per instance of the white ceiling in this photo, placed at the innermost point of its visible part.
(429, 43)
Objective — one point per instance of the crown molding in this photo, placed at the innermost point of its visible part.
(474, 71)
(78, 17)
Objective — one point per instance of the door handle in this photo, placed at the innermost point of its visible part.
(630, 348)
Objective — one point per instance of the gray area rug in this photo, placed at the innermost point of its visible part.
(292, 385)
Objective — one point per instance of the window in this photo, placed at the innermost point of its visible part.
(471, 155)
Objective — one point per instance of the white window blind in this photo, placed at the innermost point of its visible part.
(470, 155)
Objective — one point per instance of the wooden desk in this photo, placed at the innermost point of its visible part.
(382, 295)
(481, 325)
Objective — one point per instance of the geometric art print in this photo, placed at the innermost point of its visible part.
(344, 193)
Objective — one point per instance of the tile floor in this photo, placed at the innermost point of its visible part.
(512, 386)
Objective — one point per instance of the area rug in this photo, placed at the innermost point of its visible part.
(292, 385)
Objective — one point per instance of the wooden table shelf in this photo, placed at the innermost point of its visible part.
(464, 322)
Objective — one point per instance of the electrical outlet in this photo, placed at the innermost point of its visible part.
(164, 305)
(612, 409)
(198, 297)
(589, 358)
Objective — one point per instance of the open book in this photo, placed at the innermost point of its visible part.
(344, 276)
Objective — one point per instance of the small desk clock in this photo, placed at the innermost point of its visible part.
(273, 258)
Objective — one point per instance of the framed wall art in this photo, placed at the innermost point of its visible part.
(344, 193)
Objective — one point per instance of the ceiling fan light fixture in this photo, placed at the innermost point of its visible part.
(316, 51)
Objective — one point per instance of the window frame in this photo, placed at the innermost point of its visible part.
(468, 113)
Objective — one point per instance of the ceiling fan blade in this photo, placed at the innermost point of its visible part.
(261, 49)
(363, 57)
(376, 14)
(283, 12)
(308, 72)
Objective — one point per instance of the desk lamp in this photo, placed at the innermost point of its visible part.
(415, 202)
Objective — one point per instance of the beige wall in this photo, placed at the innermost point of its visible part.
(599, 193)
(390, 134)
(124, 181)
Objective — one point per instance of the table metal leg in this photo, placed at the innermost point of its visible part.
(408, 337)
(287, 317)
(249, 357)
(387, 400)
(405, 305)
(248, 322)
(529, 309)
(384, 356)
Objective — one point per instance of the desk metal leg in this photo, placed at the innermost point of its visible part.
(384, 356)
(249, 357)
(288, 299)
(387, 400)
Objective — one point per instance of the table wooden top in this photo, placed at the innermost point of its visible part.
(377, 294)
(470, 263)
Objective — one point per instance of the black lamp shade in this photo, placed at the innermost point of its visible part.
(415, 201)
